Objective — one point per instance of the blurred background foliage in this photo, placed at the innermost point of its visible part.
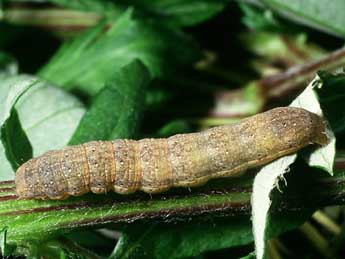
(80, 70)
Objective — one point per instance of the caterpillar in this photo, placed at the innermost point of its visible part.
(183, 160)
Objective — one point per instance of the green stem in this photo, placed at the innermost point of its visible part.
(41, 220)
(51, 17)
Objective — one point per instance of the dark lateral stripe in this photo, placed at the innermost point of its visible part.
(72, 206)
(6, 182)
(8, 197)
(8, 189)
(164, 214)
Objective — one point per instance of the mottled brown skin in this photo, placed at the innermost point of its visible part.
(155, 165)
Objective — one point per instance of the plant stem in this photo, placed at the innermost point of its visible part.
(316, 239)
(276, 86)
(327, 222)
(37, 220)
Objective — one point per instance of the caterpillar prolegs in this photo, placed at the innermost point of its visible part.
(184, 160)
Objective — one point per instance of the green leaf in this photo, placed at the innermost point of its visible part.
(176, 12)
(11, 89)
(192, 238)
(5, 248)
(317, 14)
(249, 256)
(174, 127)
(332, 97)
(64, 249)
(259, 20)
(17, 145)
(182, 240)
(3, 241)
(180, 12)
(98, 6)
(7, 63)
(90, 60)
(47, 114)
(93, 239)
(117, 109)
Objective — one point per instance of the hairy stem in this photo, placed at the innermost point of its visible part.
(37, 220)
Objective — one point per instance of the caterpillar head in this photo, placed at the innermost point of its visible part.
(36, 179)
(25, 183)
(298, 127)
